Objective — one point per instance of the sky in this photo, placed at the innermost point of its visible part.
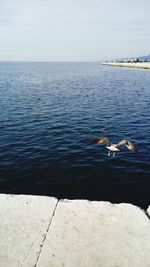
(73, 30)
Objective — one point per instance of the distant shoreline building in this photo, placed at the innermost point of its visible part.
(133, 60)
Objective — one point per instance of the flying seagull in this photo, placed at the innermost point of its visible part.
(115, 147)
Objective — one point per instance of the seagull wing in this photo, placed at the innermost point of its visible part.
(101, 140)
(128, 144)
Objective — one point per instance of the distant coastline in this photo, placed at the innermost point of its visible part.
(132, 63)
(142, 65)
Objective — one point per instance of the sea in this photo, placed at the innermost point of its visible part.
(49, 114)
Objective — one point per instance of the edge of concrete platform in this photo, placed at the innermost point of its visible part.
(35, 220)
(24, 224)
(97, 233)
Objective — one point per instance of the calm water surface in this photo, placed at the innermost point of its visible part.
(49, 112)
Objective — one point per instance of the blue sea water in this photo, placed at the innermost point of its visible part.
(49, 113)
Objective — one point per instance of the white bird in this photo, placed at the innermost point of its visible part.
(115, 147)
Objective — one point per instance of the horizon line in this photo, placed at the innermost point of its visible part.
(50, 61)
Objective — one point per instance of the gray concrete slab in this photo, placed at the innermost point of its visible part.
(24, 222)
(97, 234)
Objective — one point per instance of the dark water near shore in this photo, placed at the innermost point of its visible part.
(48, 114)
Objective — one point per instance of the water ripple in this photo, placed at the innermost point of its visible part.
(49, 112)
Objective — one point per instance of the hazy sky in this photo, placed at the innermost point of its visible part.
(73, 30)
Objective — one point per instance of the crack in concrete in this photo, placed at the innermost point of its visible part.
(23, 261)
(147, 214)
(45, 235)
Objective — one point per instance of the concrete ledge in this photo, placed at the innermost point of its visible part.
(97, 234)
(44, 232)
(141, 65)
(24, 222)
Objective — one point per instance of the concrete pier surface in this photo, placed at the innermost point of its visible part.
(38, 231)
(141, 65)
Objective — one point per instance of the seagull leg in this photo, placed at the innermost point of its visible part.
(109, 154)
(114, 154)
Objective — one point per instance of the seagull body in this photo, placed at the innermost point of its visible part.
(115, 147)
